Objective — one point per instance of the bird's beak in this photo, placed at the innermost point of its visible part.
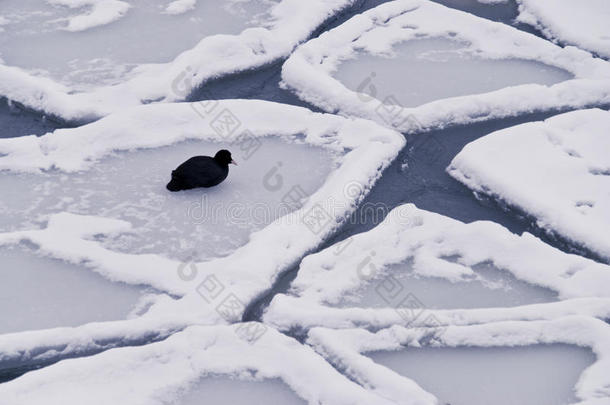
(233, 162)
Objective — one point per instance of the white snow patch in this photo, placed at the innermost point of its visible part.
(309, 69)
(101, 12)
(583, 23)
(557, 171)
(180, 6)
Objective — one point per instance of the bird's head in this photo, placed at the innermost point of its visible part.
(224, 158)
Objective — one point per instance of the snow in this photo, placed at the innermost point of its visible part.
(102, 12)
(433, 246)
(178, 363)
(93, 234)
(583, 24)
(180, 6)
(347, 347)
(309, 70)
(556, 171)
(80, 77)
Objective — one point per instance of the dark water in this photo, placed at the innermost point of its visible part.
(17, 121)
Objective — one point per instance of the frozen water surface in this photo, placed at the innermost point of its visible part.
(491, 288)
(218, 391)
(200, 223)
(531, 375)
(431, 69)
(39, 293)
(34, 38)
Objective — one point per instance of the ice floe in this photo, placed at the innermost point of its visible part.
(389, 29)
(583, 24)
(350, 349)
(557, 171)
(181, 364)
(439, 247)
(80, 76)
(216, 286)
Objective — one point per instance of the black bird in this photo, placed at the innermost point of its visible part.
(201, 171)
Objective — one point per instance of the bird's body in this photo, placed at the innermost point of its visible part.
(201, 171)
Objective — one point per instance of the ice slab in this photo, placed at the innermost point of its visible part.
(218, 391)
(471, 90)
(424, 70)
(557, 171)
(583, 24)
(491, 287)
(531, 375)
(38, 37)
(197, 224)
(41, 293)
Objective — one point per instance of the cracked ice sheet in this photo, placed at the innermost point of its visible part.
(583, 23)
(164, 372)
(557, 171)
(347, 348)
(443, 248)
(378, 31)
(362, 150)
(149, 65)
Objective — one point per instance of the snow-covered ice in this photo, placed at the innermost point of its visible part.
(382, 32)
(147, 55)
(583, 23)
(557, 171)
